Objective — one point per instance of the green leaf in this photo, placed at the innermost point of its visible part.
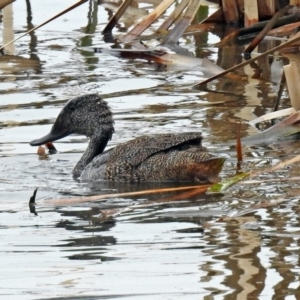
(227, 182)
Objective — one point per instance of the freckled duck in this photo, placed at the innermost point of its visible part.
(160, 157)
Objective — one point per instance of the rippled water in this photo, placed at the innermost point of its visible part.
(147, 246)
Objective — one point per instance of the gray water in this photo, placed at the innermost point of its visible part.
(148, 246)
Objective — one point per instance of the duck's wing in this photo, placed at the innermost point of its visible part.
(134, 152)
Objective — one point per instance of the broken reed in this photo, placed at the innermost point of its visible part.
(249, 12)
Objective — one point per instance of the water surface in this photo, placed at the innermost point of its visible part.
(168, 249)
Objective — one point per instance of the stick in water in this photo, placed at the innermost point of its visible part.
(47, 21)
(99, 197)
(247, 62)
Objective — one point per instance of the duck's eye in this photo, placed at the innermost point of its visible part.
(72, 107)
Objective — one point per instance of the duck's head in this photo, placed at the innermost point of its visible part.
(87, 115)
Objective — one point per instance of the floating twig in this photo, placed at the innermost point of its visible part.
(146, 22)
(116, 17)
(239, 149)
(290, 42)
(272, 115)
(266, 29)
(174, 15)
(258, 27)
(32, 202)
(289, 121)
(176, 33)
(66, 201)
(46, 22)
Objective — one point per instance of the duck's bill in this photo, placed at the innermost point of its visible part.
(50, 137)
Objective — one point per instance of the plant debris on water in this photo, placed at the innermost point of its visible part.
(229, 69)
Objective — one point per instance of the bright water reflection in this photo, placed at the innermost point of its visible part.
(168, 250)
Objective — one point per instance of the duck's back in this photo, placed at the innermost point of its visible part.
(161, 157)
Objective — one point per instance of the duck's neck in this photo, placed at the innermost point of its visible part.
(95, 147)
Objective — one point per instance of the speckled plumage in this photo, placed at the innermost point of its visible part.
(160, 157)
